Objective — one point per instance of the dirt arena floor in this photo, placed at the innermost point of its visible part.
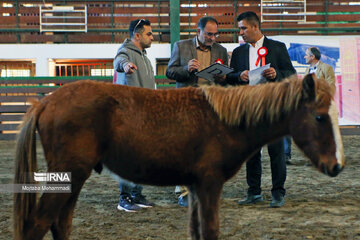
(317, 206)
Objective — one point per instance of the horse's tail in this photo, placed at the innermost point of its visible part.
(25, 165)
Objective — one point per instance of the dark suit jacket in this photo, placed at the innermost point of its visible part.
(277, 55)
(182, 53)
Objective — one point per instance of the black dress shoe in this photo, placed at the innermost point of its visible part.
(251, 199)
(277, 202)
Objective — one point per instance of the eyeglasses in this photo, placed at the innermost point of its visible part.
(137, 25)
(210, 34)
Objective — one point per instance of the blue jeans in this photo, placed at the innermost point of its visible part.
(287, 146)
(129, 188)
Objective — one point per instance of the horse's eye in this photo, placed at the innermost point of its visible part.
(320, 118)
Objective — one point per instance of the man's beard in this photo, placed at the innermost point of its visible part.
(146, 45)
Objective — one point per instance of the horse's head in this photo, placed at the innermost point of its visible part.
(314, 127)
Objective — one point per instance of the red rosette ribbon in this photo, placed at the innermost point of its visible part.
(262, 52)
(219, 61)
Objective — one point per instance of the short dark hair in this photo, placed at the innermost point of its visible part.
(316, 52)
(137, 26)
(204, 20)
(250, 17)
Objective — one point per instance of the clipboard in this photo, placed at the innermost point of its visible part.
(214, 69)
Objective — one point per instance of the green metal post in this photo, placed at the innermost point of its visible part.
(159, 20)
(17, 21)
(174, 21)
(235, 20)
(189, 23)
(112, 22)
(326, 16)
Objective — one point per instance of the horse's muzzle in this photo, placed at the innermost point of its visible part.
(335, 171)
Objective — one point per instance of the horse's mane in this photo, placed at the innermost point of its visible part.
(251, 104)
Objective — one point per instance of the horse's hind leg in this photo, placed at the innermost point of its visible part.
(61, 227)
(55, 209)
(78, 156)
(41, 218)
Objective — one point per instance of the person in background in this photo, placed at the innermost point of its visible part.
(132, 67)
(192, 55)
(321, 69)
(248, 57)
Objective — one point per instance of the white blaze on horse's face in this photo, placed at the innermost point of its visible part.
(333, 113)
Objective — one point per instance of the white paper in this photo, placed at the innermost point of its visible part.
(214, 69)
(256, 75)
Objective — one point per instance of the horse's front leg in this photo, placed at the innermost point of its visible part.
(208, 194)
(193, 214)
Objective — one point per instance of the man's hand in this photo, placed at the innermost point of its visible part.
(244, 76)
(193, 65)
(219, 78)
(130, 68)
(270, 73)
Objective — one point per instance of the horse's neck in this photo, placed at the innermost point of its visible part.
(263, 133)
(278, 118)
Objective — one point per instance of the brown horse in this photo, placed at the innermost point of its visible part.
(198, 137)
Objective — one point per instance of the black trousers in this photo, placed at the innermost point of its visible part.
(278, 170)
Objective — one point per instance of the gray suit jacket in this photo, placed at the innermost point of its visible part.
(182, 53)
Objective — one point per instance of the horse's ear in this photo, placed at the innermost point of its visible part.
(309, 87)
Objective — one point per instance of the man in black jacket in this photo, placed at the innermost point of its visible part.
(259, 50)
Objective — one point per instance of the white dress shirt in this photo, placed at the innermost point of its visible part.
(253, 53)
(312, 69)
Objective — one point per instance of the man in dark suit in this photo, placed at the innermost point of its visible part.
(248, 57)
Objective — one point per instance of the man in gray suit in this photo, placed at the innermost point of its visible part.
(321, 69)
(192, 55)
